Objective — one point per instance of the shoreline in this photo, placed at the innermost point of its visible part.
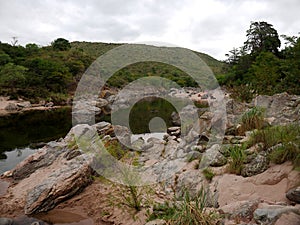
(12, 107)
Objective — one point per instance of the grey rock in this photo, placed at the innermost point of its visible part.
(49, 104)
(268, 215)
(26, 104)
(11, 107)
(213, 157)
(193, 155)
(156, 222)
(62, 184)
(138, 144)
(101, 103)
(44, 157)
(294, 195)
(6, 221)
(123, 134)
(173, 129)
(256, 166)
(101, 125)
(193, 180)
(175, 119)
(70, 154)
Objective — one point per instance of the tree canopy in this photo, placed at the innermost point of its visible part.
(260, 67)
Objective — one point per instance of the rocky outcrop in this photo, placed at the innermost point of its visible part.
(55, 173)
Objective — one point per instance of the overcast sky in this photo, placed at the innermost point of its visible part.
(210, 26)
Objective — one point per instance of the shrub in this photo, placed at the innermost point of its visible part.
(252, 119)
(238, 157)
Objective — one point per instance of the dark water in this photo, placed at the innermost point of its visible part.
(19, 131)
(143, 112)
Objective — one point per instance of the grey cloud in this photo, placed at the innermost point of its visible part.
(41, 21)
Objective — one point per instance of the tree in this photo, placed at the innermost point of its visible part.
(262, 37)
(61, 44)
(12, 75)
(4, 58)
(265, 72)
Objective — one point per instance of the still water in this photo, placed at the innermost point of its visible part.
(18, 132)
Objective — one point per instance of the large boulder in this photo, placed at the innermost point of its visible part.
(62, 184)
(53, 174)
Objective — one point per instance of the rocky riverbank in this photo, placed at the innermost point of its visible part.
(64, 176)
(8, 107)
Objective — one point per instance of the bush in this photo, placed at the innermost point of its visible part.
(238, 157)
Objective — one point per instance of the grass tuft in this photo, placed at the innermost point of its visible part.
(252, 119)
(238, 157)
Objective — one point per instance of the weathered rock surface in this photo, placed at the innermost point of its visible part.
(288, 219)
(51, 175)
(256, 166)
(294, 194)
(213, 157)
(269, 186)
(270, 213)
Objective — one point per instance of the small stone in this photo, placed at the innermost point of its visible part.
(157, 222)
(294, 195)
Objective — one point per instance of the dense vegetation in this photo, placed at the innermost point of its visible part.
(41, 72)
(260, 66)
(52, 72)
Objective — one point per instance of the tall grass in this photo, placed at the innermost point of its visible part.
(188, 210)
(282, 141)
(252, 119)
(238, 157)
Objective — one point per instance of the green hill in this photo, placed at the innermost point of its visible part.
(138, 70)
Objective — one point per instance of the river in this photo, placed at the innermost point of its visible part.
(18, 132)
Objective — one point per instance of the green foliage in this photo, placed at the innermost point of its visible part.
(252, 119)
(61, 44)
(284, 140)
(262, 37)
(12, 76)
(187, 210)
(238, 157)
(115, 149)
(243, 93)
(265, 73)
(208, 174)
(37, 72)
(259, 64)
